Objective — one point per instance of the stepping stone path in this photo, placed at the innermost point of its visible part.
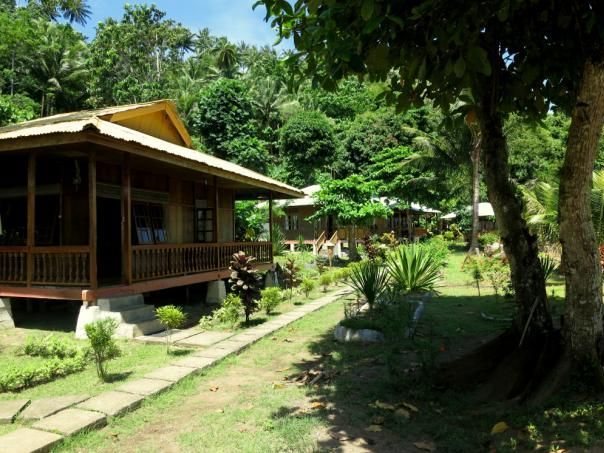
(57, 419)
(45, 407)
(10, 409)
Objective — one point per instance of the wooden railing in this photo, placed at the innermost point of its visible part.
(319, 242)
(13, 264)
(150, 262)
(61, 265)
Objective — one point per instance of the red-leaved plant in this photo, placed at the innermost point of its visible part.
(245, 282)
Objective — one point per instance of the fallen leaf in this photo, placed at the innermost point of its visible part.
(278, 385)
(287, 340)
(284, 369)
(214, 389)
(423, 445)
(317, 405)
(499, 428)
(373, 428)
(377, 420)
(273, 338)
(386, 406)
(220, 411)
(409, 406)
(403, 412)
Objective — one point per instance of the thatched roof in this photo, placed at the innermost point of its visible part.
(103, 122)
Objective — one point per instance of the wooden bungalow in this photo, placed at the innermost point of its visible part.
(404, 222)
(115, 202)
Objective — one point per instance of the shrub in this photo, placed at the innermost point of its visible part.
(413, 269)
(549, 266)
(475, 267)
(369, 279)
(271, 298)
(321, 263)
(307, 286)
(19, 377)
(325, 280)
(449, 235)
(245, 282)
(230, 310)
(104, 348)
(170, 317)
(290, 275)
(278, 241)
(488, 238)
(437, 248)
(50, 346)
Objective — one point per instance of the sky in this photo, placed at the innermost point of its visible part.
(234, 19)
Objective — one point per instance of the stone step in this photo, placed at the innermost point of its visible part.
(146, 328)
(121, 303)
(138, 314)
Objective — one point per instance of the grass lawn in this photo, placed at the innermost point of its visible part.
(374, 397)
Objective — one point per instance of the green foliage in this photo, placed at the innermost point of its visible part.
(351, 201)
(133, 59)
(549, 265)
(437, 248)
(497, 272)
(248, 151)
(475, 266)
(229, 313)
(325, 279)
(18, 377)
(414, 269)
(103, 346)
(270, 299)
(488, 238)
(50, 346)
(224, 114)
(278, 241)
(351, 98)
(249, 220)
(307, 285)
(291, 273)
(170, 317)
(17, 108)
(370, 280)
(307, 145)
(245, 282)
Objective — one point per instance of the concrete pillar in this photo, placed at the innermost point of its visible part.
(269, 279)
(6, 314)
(216, 292)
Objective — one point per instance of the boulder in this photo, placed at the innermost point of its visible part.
(346, 335)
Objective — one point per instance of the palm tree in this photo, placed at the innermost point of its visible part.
(59, 67)
(227, 58)
(541, 208)
(77, 11)
(269, 96)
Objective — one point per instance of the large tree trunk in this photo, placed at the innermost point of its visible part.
(475, 157)
(353, 254)
(583, 318)
(532, 315)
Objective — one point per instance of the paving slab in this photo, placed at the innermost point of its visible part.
(45, 407)
(212, 353)
(146, 387)
(170, 373)
(197, 363)
(112, 403)
(27, 440)
(10, 409)
(204, 339)
(177, 335)
(71, 421)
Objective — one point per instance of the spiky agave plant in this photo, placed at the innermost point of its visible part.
(549, 266)
(245, 282)
(369, 279)
(413, 269)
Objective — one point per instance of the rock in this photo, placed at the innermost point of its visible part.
(345, 335)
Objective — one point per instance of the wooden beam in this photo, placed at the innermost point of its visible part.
(42, 141)
(92, 215)
(31, 213)
(215, 224)
(270, 219)
(126, 220)
(35, 292)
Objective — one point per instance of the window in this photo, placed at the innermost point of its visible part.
(149, 223)
(205, 225)
(291, 222)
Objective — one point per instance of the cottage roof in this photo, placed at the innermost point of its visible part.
(485, 209)
(124, 123)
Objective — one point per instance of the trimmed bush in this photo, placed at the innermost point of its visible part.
(50, 346)
(16, 378)
(270, 299)
(307, 286)
(325, 280)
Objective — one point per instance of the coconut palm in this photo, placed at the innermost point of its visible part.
(227, 58)
(77, 11)
(59, 68)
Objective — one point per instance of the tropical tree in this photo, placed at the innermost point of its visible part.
(59, 68)
(352, 202)
(72, 10)
(226, 58)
